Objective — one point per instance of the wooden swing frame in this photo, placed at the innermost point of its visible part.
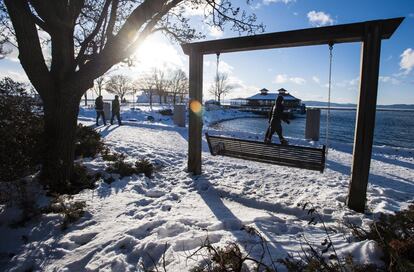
(369, 33)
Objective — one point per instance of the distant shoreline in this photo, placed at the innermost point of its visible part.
(353, 109)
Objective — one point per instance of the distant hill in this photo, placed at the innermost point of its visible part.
(350, 105)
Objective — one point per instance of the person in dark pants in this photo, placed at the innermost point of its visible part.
(116, 110)
(99, 107)
(276, 116)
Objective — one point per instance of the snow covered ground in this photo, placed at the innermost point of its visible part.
(137, 219)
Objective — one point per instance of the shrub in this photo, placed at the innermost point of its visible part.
(81, 179)
(88, 142)
(166, 112)
(323, 256)
(25, 201)
(71, 211)
(395, 235)
(107, 155)
(144, 166)
(231, 258)
(314, 262)
(109, 180)
(122, 168)
(21, 129)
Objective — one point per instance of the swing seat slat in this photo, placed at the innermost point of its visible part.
(286, 155)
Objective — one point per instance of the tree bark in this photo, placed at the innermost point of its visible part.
(150, 99)
(60, 131)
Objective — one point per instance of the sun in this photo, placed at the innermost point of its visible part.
(158, 52)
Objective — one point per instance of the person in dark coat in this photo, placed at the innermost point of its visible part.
(276, 116)
(99, 107)
(116, 110)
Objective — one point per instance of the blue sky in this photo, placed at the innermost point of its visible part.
(303, 70)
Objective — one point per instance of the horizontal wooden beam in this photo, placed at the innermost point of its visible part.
(345, 33)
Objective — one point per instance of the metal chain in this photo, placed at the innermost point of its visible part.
(329, 98)
(217, 73)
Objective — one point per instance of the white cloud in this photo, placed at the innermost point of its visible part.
(319, 18)
(316, 79)
(224, 67)
(267, 2)
(354, 81)
(13, 52)
(297, 80)
(17, 75)
(283, 78)
(350, 84)
(388, 79)
(279, 79)
(215, 32)
(407, 60)
(191, 10)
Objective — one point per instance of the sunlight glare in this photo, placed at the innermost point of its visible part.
(156, 52)
(195, 106)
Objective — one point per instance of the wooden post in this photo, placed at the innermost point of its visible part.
(365, 121)
(195, 112)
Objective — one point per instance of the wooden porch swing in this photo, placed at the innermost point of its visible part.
(369, 33)
(287, 155)
(303, 157)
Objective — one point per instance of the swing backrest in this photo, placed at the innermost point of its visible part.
(287, 155)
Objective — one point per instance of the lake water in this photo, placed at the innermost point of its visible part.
(393, 128)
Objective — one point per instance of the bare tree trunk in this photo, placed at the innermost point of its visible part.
(60, 131)
(150, 99)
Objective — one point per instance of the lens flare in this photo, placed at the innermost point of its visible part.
(195, 106)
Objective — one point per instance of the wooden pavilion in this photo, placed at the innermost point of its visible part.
(369, 33)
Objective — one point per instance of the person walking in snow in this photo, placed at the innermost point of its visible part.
(116, 110)
(276, 116)
(99, 107)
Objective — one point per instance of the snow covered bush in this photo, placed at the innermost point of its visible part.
(313, 262)
(121, 167)
(107, 155)
(233, 256)
(21, 129)
(125, 169)
(144, 166)
(394, 233)
(88, 142)
(71, 211)
(322, 256)
(80, 180)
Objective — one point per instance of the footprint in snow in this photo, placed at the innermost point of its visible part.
(166, 208)
(155, 193)
(142, 202)
(83, 239)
